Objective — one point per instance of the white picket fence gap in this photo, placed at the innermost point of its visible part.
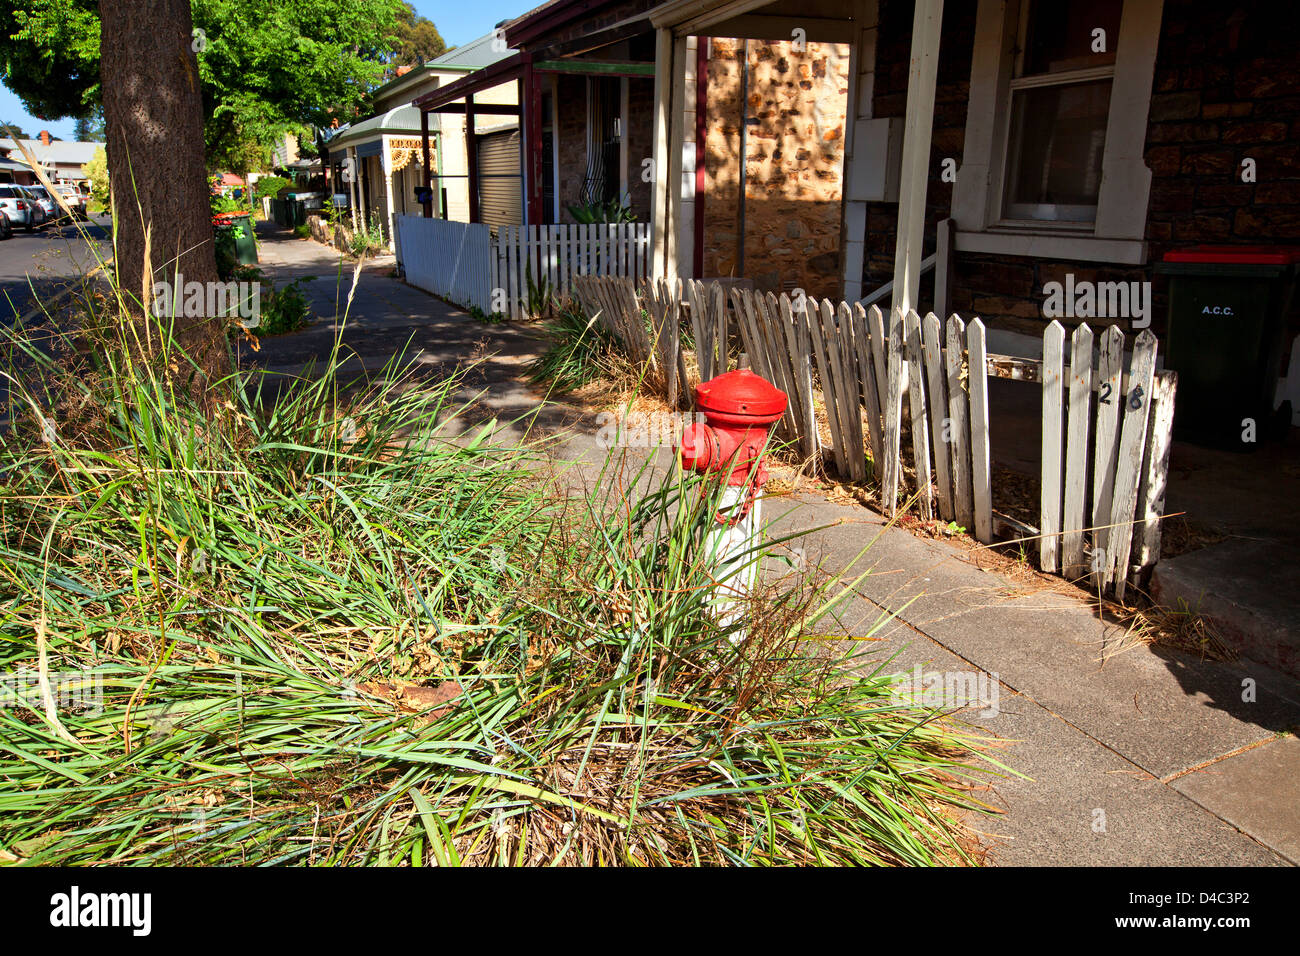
(553, 256)
(448, 258)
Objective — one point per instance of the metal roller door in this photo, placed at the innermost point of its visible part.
(500, 194)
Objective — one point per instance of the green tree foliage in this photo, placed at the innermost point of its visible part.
(267, 67)
(415, 40)
(97, 173)
(270, 68)
(271, 186)
(49, 55)
(90, 129)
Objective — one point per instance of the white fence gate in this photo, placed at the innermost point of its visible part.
(448, 258)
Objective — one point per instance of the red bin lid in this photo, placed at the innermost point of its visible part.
(1237, 255)
(742, 397)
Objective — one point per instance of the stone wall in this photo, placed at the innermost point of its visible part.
(794, 163)
(1226, 88)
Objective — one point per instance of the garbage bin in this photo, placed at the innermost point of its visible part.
(235, 232)
(1227, 315)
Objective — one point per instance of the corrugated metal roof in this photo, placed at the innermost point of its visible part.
(400, 119)
(59, 150)
(472, 56)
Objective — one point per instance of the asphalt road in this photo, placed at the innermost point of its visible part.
(34, 267)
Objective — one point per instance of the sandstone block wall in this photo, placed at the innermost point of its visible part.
(794, 162)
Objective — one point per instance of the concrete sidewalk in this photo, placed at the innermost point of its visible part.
(387, 317)
(1134, 756)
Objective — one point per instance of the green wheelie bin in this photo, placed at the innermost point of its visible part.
(236, 231)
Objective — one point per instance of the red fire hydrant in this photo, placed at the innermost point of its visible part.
(739, 411)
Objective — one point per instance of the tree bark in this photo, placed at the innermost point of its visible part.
(153, 115)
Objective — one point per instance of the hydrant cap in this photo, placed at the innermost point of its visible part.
(740, 398)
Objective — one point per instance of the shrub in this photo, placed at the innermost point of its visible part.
(225, 204)
(271, 186)
(367, 237)
(284, 309)
(612, 210)
(579, 350)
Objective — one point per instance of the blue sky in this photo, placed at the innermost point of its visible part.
(457, 22)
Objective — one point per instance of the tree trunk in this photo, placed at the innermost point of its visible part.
(154, 122)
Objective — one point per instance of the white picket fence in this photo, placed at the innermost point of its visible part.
(1105, 453)
(552, 256)
(465, 263)
(450, 259)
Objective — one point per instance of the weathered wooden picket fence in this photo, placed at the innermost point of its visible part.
(649, 325)
(1117, 429)
(1104, 464)
(552, 256)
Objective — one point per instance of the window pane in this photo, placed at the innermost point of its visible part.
(1059, 35)
(1058, 134)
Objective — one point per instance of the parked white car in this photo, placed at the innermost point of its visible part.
(19, 209)
(75, 199)
(48, 206)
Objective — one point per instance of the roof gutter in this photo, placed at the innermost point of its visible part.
(530, 26)
(692, 17)
(499, 72)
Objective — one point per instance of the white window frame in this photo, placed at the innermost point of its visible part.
(1118, 232)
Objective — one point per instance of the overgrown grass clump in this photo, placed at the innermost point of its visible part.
(579, 351)
(326, 632)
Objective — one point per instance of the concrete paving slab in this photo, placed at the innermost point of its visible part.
(1164, 710)
(1079, 802)
(1249, 587)
(1257, 791)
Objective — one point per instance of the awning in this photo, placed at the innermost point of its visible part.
(400, 119)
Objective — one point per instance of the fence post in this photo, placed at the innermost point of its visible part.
(893, 414)
(1155, 475)
(938, 413)
(1076, 452)
(920, 420)
(981, 475)
(869, 388)
(1132, 445)
(959, 426)
(1109, 378)
(1050, 492)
